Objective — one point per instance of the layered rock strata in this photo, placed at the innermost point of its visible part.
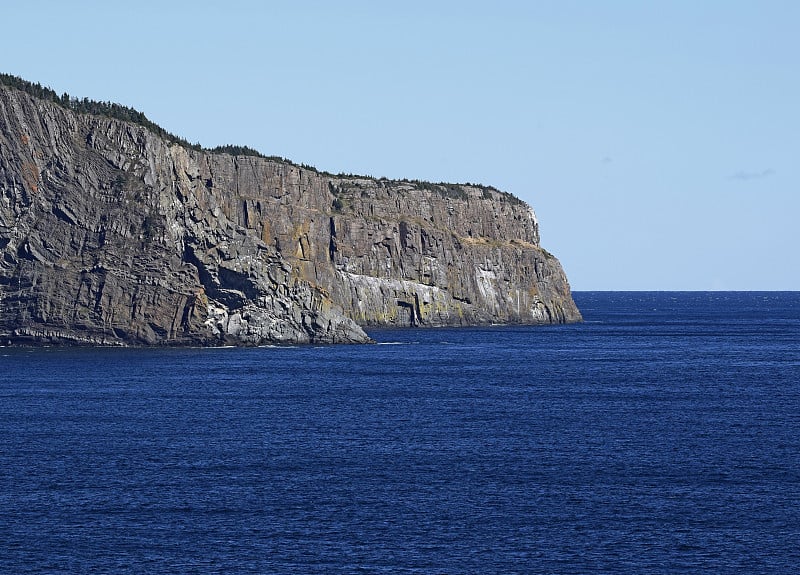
(110, 234)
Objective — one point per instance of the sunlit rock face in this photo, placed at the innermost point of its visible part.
(110, 234)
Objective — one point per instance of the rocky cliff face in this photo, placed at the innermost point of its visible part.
(110, 234)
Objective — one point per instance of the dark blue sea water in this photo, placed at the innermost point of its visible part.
(660, 436)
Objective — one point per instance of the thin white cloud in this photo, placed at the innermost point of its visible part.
(743, 176)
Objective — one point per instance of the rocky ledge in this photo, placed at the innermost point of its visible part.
(113, 234)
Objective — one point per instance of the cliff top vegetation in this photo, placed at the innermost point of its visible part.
(128, 114)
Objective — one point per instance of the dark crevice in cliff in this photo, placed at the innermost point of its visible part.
(407, 313)
(235, 286)
(332, 242)
(205, 277)
(232, 288)
(462, 299)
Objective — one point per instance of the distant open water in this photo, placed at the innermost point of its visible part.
(660, 436)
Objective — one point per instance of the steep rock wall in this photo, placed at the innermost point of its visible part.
(104, 239)
(109, 234)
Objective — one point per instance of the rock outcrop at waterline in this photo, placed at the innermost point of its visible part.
(112, 234)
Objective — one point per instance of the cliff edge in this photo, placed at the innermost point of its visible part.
(113, 233)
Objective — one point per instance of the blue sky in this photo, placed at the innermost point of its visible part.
(658, 142)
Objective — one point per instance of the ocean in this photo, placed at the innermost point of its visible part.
(662, 435)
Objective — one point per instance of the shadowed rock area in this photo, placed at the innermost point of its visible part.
(111, 234)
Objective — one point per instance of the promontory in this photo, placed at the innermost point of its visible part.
(115, 232)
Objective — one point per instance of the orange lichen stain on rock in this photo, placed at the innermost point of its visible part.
(306, 271)
(265, 232)
(201, 297)
(300, 233)
(30, 175)
(25, 140)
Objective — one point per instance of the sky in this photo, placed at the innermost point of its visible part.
(658, 141)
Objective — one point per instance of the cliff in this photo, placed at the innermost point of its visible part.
(113, 233)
